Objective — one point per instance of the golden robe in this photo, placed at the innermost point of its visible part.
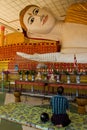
(77, 13)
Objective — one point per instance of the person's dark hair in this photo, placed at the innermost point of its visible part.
(60, 90)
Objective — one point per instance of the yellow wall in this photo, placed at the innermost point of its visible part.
(14, 38)
(3, 65)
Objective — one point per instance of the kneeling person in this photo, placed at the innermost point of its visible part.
(60, 106)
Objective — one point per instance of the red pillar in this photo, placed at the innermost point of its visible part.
(2, 28)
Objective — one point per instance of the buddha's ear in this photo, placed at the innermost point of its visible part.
(24, 32)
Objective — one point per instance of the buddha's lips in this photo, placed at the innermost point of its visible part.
(45, 19)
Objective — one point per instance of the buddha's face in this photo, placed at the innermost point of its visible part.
(38, 20)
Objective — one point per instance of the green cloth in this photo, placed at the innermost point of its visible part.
(30, 115)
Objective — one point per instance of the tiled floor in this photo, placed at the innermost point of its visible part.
(26, 99)
(29, 100)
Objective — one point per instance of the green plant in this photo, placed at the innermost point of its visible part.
(45, 74)
(27, 72)
(56, 71)
(76, 72)
(66, 72)
(32, 72)
(20, 72)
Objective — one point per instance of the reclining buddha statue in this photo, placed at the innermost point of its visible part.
(71, 32)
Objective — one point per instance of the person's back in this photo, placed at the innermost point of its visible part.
(59, 104)
(59, 107)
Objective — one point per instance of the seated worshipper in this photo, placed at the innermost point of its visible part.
(60, 105)
(72, 32)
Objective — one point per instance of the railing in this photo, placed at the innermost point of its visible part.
(49, 88)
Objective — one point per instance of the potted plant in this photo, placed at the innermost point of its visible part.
(20, 72)
(32, 73)
(26, 73)
(44, 75)
(68, 76)
(57, 72)
(77, 73)
(17, 94)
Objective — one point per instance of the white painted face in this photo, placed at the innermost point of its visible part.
(38, 20)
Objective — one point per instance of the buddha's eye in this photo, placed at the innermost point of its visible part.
(31, 20)
(35, 11)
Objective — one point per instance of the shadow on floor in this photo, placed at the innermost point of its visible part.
(7, 125)
(4, 124)
(2, 98)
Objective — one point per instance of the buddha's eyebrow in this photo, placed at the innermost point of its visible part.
(30, 14)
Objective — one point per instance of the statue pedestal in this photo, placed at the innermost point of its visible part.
(82, 102)
(17, 96)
